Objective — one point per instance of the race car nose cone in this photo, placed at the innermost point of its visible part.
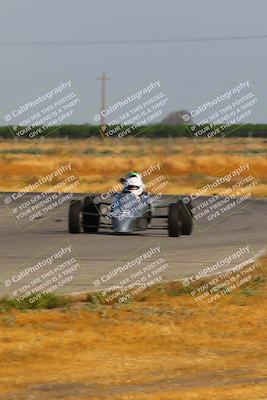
(124, 225)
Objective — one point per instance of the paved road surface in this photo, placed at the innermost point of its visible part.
(98, 254)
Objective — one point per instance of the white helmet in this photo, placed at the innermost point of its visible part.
(134, 185)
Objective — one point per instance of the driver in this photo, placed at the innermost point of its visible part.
(133, 183)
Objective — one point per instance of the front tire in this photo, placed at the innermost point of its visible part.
(91, 215)
(174, 220)
(74, 216)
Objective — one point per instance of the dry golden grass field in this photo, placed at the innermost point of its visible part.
(162, 347)
(99, 164)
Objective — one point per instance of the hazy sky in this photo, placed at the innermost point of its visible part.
(189, 71)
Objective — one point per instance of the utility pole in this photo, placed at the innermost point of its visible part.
(103, 78)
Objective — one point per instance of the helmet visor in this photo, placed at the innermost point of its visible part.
(132, 187)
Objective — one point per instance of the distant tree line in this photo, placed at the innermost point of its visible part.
(152, 131)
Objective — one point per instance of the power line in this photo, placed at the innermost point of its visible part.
(6, 43)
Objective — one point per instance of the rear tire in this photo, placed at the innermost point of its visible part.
(187, 218)
(90, 222)
(174, 220)
(74, 216)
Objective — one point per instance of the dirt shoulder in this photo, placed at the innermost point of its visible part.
(163, 346)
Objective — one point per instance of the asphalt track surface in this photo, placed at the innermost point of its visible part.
(100, 253)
